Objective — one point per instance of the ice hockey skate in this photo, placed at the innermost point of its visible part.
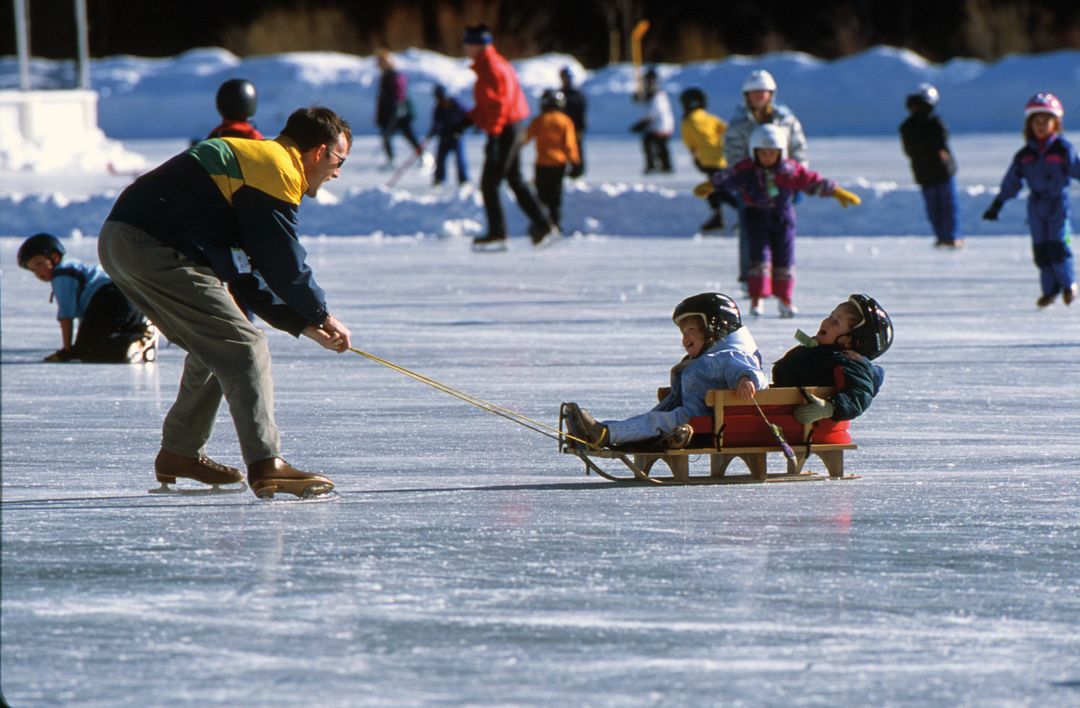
(273, 475)
(787, 310)
(544, 235)
(144, 349)
(716, 223)
(169, 466)
(490, 244)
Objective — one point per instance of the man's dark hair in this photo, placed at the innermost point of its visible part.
(315, 126)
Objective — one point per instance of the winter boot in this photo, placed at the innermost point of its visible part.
(169, 465)
(1046, 300)
(1070, 294)
(272, 475)
(678, 438)
(581, 424)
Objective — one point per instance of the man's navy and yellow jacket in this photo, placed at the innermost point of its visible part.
(231, 204)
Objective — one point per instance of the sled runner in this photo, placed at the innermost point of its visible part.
(736, 430)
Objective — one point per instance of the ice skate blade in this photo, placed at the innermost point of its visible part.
(199, 491)
(301, 488)
(493, 247)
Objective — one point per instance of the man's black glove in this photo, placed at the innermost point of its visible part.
(576, 170)
(991, 214)
(640, 126)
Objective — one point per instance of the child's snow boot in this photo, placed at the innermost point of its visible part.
(716, 223)
(787, 310)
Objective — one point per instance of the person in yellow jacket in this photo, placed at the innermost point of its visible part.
(703, 135)
(556, 150)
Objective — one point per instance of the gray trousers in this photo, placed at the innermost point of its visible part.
(227, 355)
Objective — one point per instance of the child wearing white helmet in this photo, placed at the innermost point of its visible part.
(1047, 163)
(925, 140)
(767, 184)
(759, 107)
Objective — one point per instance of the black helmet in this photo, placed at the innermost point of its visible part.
(873, 336)
(551, 98)
(692, 99)
(720, 313)
(236, 99)
(39, 245)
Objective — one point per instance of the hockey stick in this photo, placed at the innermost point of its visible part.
(408, 163)
(635, 53)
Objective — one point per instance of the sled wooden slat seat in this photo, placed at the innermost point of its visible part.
(736, 430)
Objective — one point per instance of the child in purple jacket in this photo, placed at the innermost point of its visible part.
(1047, 163)
(767, 183)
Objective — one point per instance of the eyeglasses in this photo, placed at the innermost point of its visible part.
(341, 158)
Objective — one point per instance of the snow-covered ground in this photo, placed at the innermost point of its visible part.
(464, 561)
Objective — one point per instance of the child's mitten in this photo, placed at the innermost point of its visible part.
(816, 409)
(845, 197)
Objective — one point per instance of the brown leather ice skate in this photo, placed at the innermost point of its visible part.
(272, 475)
(170, 465)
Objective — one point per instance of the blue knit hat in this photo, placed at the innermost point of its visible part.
(477, 34)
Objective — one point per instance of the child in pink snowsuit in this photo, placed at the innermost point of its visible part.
(767, 183)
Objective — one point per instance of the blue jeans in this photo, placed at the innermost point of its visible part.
(448, 144)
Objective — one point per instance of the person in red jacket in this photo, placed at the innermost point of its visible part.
(236, 102)
(500, 111)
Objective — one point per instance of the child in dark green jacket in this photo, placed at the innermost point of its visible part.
(839, 355)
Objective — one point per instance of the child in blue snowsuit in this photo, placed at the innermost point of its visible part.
(767, 183)
(925, 141)
(1046, 163)
(720, 354)
(445, 122)
(111, 329)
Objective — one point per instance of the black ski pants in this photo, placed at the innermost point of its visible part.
(110, 325)
(549, 186)
(502, 161)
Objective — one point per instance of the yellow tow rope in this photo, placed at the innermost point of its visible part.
(518, 418)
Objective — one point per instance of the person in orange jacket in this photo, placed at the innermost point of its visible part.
(556, 149)
(500, 111)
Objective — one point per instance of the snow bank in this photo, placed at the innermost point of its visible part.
(861, 94)
(622, 208)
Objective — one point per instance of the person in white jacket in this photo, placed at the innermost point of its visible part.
(657, 126)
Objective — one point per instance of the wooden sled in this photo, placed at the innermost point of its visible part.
(735, 431)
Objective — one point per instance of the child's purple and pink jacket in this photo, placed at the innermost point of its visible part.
(773, 188)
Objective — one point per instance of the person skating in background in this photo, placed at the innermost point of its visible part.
(500, 111)
(759, 107)
(856, 331)
(556, 152)
(576, 107)
(111, 329)
(1047, 164)
(703, 135)
(445, 119)
(656, 126)
(236, 102)
(926, 143)
(720, 354)
(766, 184)
(393, 109)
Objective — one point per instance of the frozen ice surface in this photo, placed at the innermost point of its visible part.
(464, 561)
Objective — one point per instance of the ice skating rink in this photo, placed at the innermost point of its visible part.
(464, 561)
